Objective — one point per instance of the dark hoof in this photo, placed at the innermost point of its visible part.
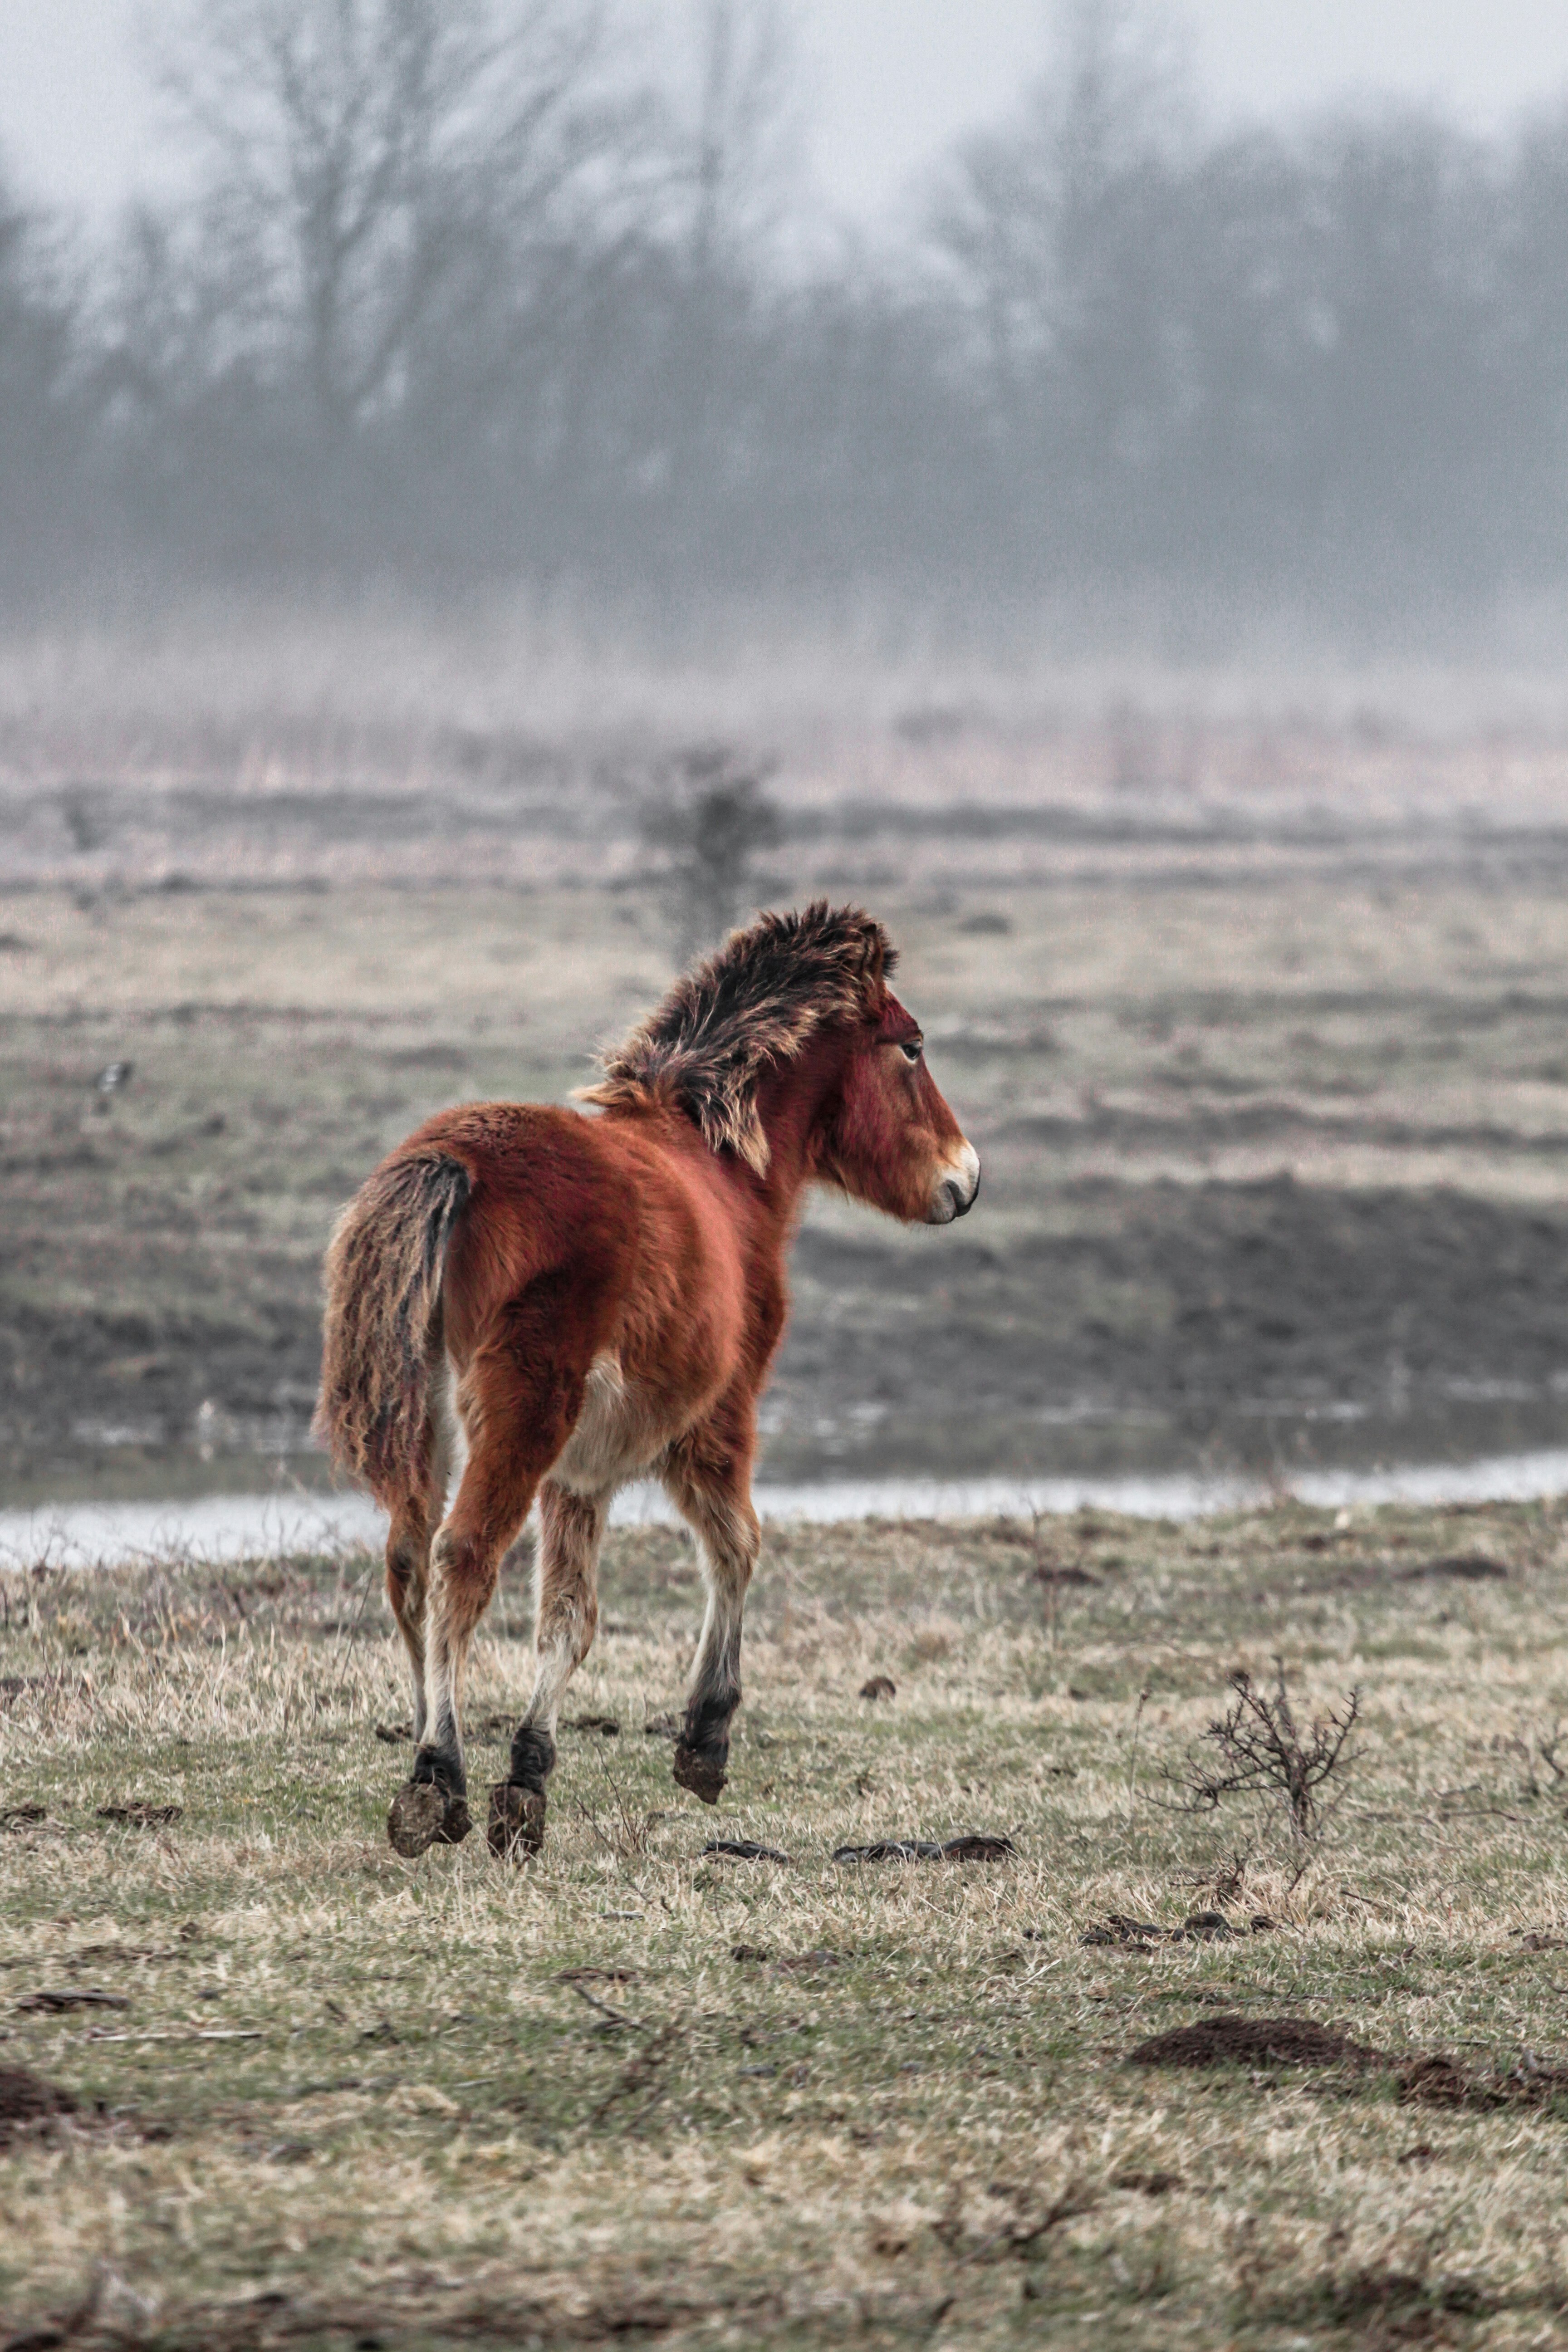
(700, 1773)
(517, 1821)
(423, 1815)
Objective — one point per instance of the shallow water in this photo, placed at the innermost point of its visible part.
(246, 1526)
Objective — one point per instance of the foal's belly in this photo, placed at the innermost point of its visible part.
(619, 1433)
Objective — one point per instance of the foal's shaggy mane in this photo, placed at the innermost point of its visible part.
(759, 1001)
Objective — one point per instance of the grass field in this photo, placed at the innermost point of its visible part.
(638, 2092)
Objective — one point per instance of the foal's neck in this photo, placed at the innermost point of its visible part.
(793, 1102)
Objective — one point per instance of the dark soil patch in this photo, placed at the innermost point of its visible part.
(141, 1816)
(1228, 1297)
(1197, 1927)
(1464, 1566)
(605, 1725)
(1229, 2040)
(970, 1848)
(1132, 1934)
(28, 2098)
(14, 1687)
(1388, 2306)
(54, 2002)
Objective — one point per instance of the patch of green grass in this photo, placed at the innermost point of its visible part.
(348, 2098)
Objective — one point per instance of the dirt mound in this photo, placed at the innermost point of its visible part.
(1229, 2040)
(1430, 2079)
(1437, 2081)
(26, 2098)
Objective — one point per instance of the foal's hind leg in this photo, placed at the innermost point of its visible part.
(708, 1478)
(414, 1518)
(407, 1572)
(518, 1419)
(570, 1530)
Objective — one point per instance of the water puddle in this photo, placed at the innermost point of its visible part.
(248, 1526)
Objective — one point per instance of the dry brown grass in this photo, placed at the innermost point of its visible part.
(352, 2100)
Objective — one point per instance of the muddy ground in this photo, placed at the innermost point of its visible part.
(1269, 1077)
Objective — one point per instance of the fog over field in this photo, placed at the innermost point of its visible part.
(541, 302)
(1137, 570)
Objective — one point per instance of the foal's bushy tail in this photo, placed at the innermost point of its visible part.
(383, 1325)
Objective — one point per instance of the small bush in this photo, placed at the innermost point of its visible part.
(709, 820)
(1257, 1748)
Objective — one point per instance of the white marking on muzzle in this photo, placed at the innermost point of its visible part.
(952, 1195)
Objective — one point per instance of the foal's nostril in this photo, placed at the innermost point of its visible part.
(955, 1194)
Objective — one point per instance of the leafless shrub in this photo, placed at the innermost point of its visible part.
(1258, 1749)
(709, 820)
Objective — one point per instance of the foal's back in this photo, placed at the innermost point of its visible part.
(624, 1231)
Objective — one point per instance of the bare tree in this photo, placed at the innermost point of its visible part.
(1053, 232)
(732, 178)
(46, 400)
(353, 154)
(737, 151)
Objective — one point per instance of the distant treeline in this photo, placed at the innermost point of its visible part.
(453, 300)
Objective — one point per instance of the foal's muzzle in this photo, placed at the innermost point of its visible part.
(954, 1192)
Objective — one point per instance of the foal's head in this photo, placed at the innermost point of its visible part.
(798, 1008)
(889, 1137)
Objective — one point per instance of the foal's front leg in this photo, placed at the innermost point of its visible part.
(709, 1483)
(570, 1530)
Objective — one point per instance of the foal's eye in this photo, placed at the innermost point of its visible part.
(910, 1048)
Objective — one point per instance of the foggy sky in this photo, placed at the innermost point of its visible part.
(891, 82)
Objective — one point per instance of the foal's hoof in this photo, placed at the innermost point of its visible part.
(517, 1821)
(423, 1815)
(698, 1773)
